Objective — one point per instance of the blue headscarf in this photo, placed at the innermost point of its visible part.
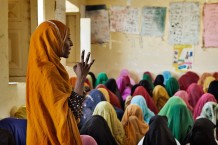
(141, 102)
(94, 97)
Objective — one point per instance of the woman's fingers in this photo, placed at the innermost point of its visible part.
(87, 58)
(89, 66)
(82, 57)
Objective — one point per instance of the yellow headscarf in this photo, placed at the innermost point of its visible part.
(160, 96)
(203, 77)
(105, 93)
(106, 110)
(50, 121)
(21, 112)
(90, 80)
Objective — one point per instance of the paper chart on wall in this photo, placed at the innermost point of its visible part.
(124, 19)
(183, 57)
(210, 21)
(184, 23)
(99, 26)
(153, 21)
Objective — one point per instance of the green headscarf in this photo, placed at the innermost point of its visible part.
(180, 119)
(149, 79)
(172, 86)
(101, 78)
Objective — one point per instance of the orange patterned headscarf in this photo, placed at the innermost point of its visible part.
(50, 121)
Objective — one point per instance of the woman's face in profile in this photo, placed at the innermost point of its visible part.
(67, 46)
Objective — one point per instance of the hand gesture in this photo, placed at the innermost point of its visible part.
(81, 69)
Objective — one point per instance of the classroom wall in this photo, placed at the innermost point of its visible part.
(125, 51)
(144, 53)
(14, 94)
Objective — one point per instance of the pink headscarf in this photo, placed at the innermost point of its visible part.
(184, 95)
(124, 86)
(125, 72)
(140, 90)
(207, 97)
(194, 92)
(88, 140)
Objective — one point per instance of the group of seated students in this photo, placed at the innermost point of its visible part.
(160, 111)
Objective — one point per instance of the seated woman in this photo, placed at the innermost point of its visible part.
(134, 124)
(101, 78)
(202, 133)
(207, 82)
(94, 97)
(148, 77)
(207, 97)
(159, 133)
(125, 72)
(202, 78)
(160, 96)
(150, 102)
(159, 80)
(17, 127)
(97, 127)
(124, 86)
(180, 119)
(166, 74)
(172, 86)
(213, 89)
(184, 95)
(106, 110)
(187, 79)
(210, 111)
(194, 91)
(147, 86)
(141, 102)
(112, 86)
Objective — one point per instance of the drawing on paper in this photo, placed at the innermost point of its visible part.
(183, 57)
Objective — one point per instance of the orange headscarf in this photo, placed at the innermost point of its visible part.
(134, 125)
(50, 121)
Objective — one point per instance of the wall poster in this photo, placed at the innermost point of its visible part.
(184, 23)
(153, 21)
(210, 22)
(124, 19)
(183, 57)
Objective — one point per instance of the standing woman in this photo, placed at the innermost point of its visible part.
(53, 108)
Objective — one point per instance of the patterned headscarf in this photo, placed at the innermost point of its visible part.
(207, 97)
